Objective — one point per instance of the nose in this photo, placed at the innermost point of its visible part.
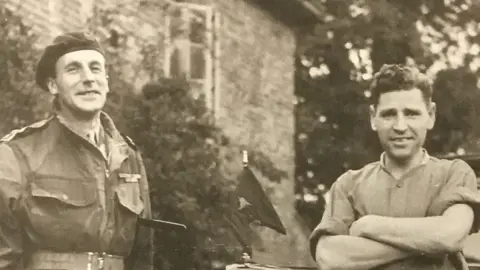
(87, 76)
(400, 124)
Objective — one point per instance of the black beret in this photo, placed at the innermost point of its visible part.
(61, 45)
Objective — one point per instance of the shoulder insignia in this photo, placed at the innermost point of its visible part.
(129, 141)
(25, 130)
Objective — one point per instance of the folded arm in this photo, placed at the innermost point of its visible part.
(427, 235)
(333, 248)
(350, 252)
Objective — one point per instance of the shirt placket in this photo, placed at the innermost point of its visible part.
(106, 230)
(113, 160)
(398, 197)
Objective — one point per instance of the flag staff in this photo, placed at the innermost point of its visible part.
(245, 158)
(245, 256)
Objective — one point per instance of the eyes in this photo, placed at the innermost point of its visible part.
(77, 67)
(411, 113)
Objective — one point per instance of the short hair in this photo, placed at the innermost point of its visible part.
(395, 77)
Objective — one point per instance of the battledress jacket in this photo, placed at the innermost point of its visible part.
(58, 192)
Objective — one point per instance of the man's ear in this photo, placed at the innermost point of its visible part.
(432, 112)
(372, 117)
(52, 86)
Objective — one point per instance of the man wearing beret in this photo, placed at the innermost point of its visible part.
(72, 187)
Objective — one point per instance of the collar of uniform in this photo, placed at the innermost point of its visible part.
(95, 132)
(110, 128)
(425, 159)
(106, 126)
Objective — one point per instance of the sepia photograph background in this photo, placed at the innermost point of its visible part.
(196, 82)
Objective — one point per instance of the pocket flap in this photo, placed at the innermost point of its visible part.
(129, 196)
(73, 192)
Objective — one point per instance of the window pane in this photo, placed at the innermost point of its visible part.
(197, 63)
(177, 24)
(175, 64)
(197, 27)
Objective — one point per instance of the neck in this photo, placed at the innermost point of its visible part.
(80, 122)
(393, 164)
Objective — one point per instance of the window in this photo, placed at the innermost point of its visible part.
(192, 49)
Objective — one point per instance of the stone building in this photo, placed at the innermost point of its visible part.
(240, 54)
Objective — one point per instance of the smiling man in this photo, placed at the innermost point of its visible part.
(72, 187)
(408, 210)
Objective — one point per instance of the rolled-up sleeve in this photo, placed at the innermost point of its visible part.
(11, 239)
(459, 187)
(339, 213)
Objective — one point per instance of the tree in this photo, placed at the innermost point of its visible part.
(22, 102)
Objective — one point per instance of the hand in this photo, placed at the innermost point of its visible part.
(364, 226)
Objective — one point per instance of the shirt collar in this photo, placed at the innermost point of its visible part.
(425, 158)
(106, 128)
(94, 132)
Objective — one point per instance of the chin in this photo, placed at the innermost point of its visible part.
(90, 108)
(87, 112)
(401, 155)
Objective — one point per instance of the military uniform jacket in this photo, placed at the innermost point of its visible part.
(58, 192)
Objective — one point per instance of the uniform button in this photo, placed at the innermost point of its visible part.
(399, 185)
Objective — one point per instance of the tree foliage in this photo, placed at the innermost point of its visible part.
(22, 102)
(336, 61)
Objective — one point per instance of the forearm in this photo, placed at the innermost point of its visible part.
(418, 235)
(11, 242)
(428, 235)
(11, 231)
(145, 260)
(351, 252)
(146, 235)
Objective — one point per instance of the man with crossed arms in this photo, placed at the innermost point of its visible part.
(408, 210)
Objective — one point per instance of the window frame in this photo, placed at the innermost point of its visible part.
(211, 51)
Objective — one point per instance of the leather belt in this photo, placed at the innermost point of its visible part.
(76, 261)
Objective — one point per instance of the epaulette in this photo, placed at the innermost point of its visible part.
(129, 141)
(21, 132)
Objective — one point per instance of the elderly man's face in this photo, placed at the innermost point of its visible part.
(81, 82)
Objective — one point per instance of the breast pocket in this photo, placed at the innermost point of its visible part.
(129, 196)
(129, 206)
(63, 208)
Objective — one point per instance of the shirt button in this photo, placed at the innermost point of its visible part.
(399, 185)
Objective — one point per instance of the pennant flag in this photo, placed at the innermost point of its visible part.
(249, 204)
(254, 204)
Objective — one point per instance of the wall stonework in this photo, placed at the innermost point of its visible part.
(256, 107)
(257, 110)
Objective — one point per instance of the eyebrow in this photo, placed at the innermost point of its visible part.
(77, 63)
(413, 110)
(392, 110)
(95, 62)
(73, 63)
(387, 111)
